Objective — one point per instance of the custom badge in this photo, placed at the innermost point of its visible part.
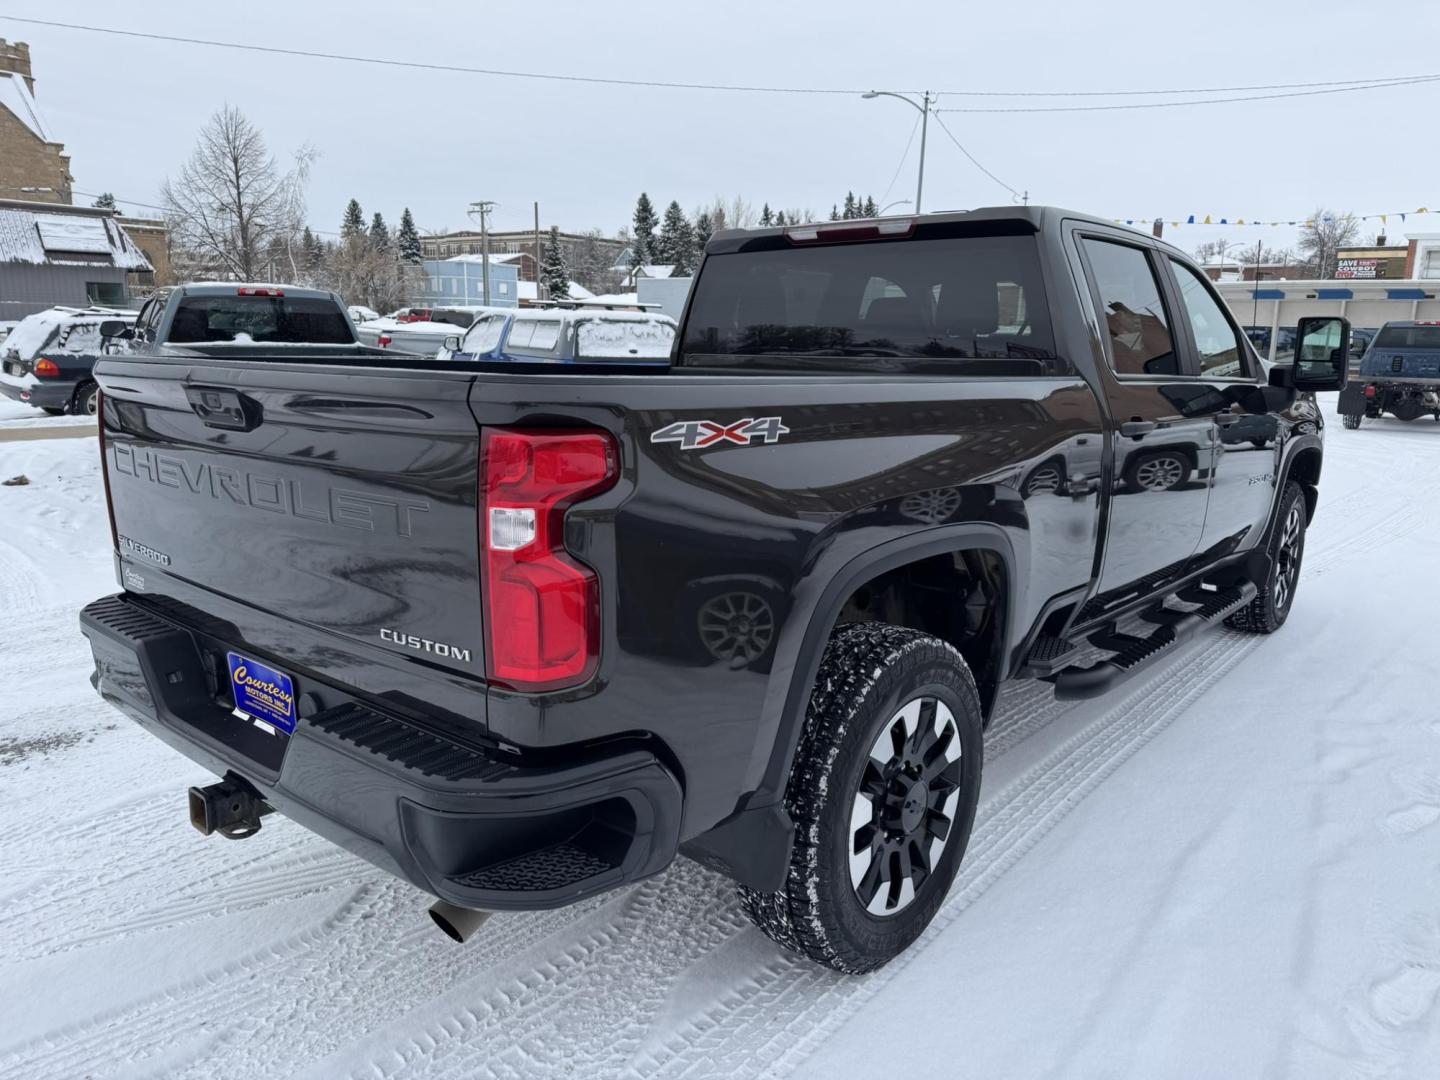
(698, 434)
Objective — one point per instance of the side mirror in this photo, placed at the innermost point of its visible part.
(116, 328)
(451, 344)
(1322, 353)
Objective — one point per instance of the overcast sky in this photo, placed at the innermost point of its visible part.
(128, 110)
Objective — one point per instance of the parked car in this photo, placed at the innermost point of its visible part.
(359, 313)
(1399, 374)
(49, 358)
(425, 335)
(579, 335)
(521, 633)
(237, 319)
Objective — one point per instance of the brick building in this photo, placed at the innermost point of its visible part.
(33, 165)
(520, 243)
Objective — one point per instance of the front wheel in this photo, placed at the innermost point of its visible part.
(1271, 606)
(882, 793)
(1351, 422)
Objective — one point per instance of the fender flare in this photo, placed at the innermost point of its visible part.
(753, 844)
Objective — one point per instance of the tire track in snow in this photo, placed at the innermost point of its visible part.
(578, 982)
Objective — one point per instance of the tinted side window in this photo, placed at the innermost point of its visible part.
(1219, 347)
(958, 305)
(1130, 303)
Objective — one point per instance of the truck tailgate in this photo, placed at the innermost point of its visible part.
(337, 498)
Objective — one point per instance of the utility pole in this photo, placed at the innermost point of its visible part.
(483, 208)
(924, 127)
(538, 295)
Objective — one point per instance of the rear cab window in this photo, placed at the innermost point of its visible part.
(934, 304)
(1408, 337)
(614, 337)
(533, 337)
(261, 320)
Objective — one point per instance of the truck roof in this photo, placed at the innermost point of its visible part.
(1036, 217)
(228, 288)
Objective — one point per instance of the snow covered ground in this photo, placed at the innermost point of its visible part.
(1227, 868)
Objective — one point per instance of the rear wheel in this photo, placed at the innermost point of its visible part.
(1351, 422)
(1271, 606)
(87, 400)
(883, 795)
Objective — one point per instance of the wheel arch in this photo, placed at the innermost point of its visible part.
(753, 844)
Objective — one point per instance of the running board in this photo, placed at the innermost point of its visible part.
(1131, 653)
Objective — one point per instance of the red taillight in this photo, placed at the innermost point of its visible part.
(1370, 391)
(542, 606)
(384, 341)
(45, 368)
(252, 291)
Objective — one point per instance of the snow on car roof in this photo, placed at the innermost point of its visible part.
(33, 331)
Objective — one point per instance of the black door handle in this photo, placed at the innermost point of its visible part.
(224, 408)
(1137, 429)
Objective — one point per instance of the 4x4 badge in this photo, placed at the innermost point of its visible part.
(696, 434)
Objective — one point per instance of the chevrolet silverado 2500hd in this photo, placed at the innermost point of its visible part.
(523, 633)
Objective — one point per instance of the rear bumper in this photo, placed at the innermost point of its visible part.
(43, 395)
(472, 824)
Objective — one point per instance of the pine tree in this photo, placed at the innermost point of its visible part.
(766, 218)
(834, 212)
(307, 251)
(554, 273)
(676, 245)
(407, 240)
(642, 239)
(870, 209)
(106, 201)
(353, 225)
(704, 229)
(379, 233)
(849, 211)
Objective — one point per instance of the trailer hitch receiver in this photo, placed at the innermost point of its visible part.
(231, 808)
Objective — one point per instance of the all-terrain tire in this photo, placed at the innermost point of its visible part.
(1271, 606)
(869, 671)
(1351, 422)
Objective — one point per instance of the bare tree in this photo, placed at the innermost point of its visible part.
(230, 201)
(1322, 237)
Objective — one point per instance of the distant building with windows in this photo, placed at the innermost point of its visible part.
(459, 281)
(72, 255)
(520, 243)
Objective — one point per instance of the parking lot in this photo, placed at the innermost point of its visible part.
(1226, 869)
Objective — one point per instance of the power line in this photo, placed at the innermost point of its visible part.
(120, 199)
(903, 155)
(1335, 86)
(971, 156)
(1410, 81)
(420, 65)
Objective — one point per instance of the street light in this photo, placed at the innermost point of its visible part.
(924, 106)
(898, 202)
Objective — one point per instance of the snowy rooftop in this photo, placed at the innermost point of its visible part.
(527, 290)
(60, 239)
(656, 270)
(494, 259)
(16, 96)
